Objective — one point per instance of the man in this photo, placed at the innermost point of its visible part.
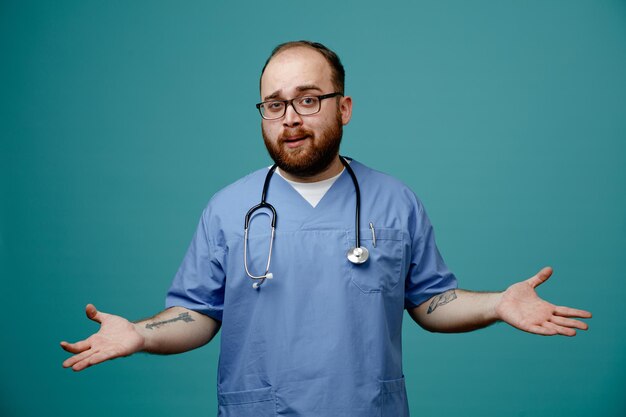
(322, 337)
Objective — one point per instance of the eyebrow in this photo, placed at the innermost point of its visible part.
(307, 87)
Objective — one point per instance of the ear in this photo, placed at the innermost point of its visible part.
(345, 107)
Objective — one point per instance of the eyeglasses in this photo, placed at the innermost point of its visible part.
(304, 106)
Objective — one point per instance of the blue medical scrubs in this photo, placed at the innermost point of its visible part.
(323, 337)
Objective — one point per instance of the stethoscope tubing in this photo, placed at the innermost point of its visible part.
(357, 191)
(263, 203)
(358, 258)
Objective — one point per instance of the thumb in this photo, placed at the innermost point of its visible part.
(541, 277)
(92, 313)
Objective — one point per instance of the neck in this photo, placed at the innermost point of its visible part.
(333, 169)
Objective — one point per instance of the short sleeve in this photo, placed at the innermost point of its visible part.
(428, 275)
(199, 283)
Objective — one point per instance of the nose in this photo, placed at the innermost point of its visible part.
(292, 118)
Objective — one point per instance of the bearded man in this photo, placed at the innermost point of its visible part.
(310, 290)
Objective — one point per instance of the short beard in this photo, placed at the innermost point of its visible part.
(312, 160)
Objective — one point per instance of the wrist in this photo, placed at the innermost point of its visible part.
(494, 304)
(144, 345)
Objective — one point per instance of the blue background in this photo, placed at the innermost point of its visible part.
(119, 120)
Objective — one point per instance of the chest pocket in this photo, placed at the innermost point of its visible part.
(383, 270)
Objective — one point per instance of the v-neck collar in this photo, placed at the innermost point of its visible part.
(299, 199)
(313, 190)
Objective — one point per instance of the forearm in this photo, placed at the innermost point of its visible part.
(176, 330)
(457, 311)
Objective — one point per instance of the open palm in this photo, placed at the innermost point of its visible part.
(117, 337)
(521, 307)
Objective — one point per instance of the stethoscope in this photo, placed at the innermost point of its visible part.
(357, 254)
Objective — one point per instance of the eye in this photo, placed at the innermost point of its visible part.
(307, 101)
(274, 106)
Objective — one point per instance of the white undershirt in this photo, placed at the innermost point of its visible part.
(312, 192)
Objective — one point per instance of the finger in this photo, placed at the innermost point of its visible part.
(572, 312)
(541, 277)
(540, 330)
(70, 362)
(565, 331)
(77, 347)
(94, 359)
(565, 322)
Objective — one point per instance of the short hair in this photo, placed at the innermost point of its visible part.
(338, 74)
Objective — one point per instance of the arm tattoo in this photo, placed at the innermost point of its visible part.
(182, 316)
(441, 299)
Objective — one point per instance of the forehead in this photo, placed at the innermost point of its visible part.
(293, 68)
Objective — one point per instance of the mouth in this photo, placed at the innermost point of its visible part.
(295, 141)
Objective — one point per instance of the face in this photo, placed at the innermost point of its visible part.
(303, 146)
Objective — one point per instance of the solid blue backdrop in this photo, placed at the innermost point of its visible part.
(119, 120)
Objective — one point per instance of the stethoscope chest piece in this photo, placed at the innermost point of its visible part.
(358, 255)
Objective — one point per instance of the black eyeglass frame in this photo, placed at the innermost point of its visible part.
(290, 102)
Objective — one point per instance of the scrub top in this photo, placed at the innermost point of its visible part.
(323, 337)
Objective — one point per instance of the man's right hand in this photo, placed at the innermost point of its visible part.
(117, 337)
